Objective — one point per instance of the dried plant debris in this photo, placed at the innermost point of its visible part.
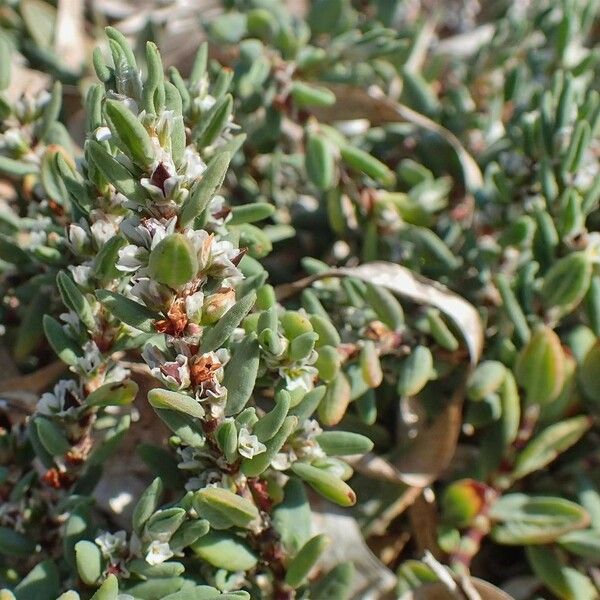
(310, 313)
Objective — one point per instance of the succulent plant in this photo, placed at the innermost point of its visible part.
(344, 268)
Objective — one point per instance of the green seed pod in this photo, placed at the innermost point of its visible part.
(227, 438)
(385, 305)
(224, 509)
(342, 443)
(311, 95)
(335, 402)
(319, 161)
(370, 364)
(328, 363)
(415, 371)
(567, 282)
(330, 487)
(173, 261)
(295, 324)
(440, 331)
(268, 425)
(540, 367)
(301, 565)
(486, 379)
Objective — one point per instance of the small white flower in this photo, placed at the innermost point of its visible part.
(248, 444)
(102, 231)
(299, 378)
(175, 374)
(131, 258)
(102, 134)
(111, 544)
(194, 165)
(283, 460)
(158, 552)
(78, 238)
(193, 306)
(71, 319)
(53, 403)
(311, 428)
(207, 102)
(81, 274)
(91, 359)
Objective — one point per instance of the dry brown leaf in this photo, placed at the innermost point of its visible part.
(357, 103)
(438, 591)
(36, 382)
(435, 446)
(411, 285)
(372, 580)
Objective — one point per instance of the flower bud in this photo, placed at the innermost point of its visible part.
(217, 304)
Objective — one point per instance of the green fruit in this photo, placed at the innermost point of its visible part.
(173, 261)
